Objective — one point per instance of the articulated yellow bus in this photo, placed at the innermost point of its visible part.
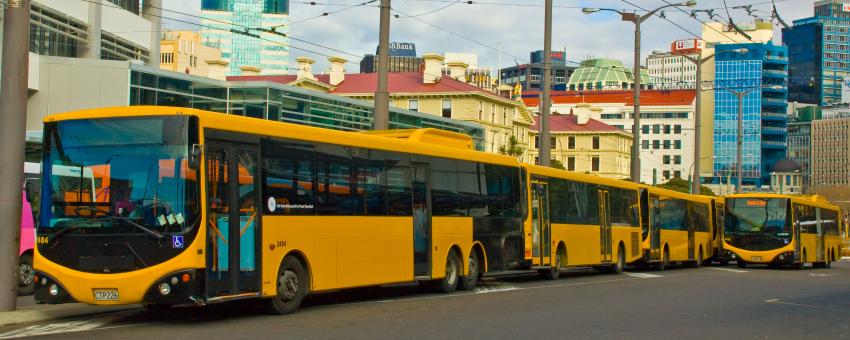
(782, 230)
(582, 220)
(676, 227)
(200, 207)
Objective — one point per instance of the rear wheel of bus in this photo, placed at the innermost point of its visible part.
(449, 283)
(469, 281)
(292, 286)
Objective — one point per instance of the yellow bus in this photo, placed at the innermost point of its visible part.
(204, 207)
(780, 230)
(582, 220)
(676, 227)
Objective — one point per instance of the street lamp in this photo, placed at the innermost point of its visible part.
(741, 95)
(699, 60)
(637, 20)
(695, 166)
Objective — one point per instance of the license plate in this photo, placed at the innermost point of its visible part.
(106, 295)
(756, 258)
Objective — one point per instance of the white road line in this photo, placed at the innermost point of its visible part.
(729, 270)
(641, 275)
(63, 327)
(491, 287)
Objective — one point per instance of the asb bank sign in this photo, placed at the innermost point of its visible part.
(402, 49)
(687, 46)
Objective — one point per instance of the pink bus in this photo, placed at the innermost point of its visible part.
(29, 213)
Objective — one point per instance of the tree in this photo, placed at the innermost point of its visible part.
(681, 185)
(557, 164)
(512, 148)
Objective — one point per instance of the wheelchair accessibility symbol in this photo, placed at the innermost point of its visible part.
(177, 242)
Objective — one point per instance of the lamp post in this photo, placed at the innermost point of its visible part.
(694, 166)
(637, 20)
(699, 61)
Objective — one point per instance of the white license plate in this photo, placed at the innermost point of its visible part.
(756, 258)
(106, 295)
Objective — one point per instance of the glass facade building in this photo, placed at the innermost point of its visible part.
(269, 52)
(278, 102)
(761, 74)
(819, 54)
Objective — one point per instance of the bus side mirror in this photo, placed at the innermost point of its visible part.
(195, 156)
(29, 190)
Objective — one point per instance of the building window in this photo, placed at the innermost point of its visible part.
(666, 160)
(594, 164)
(447, 108)
(552, 142)
(571, 163)
(571, 142)
(666, 174)
(666, 129)
(413, 105)
(646, 129)
(595, 142)
(677, 129)
(677, 159)
(667, 143)
(645, 144)
(677, 173)
(677, 144)
(656, 144)
(656, 128)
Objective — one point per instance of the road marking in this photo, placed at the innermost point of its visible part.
(729, 270)
(641, 275)
(491, 287)
(776, 301)
(819, 275)
(62, 327)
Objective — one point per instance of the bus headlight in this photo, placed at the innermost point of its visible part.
(53, 290)
(164, 288)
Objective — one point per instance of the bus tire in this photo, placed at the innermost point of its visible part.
(618, 266)
(448, 284)
(469, 281)
(554, 272)
(25, 275)
(292, 286)
(665, 260)
(741, 263)
(698, 263)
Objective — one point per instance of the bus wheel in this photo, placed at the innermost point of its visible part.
(665, 260)
(471, 279)
(741, 263)
(25, 275)
(292, 286)
(554, 272)
(699, 259)
(449, 283)
(617, 268)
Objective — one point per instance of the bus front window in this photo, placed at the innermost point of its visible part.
(119, 176)
(758, 223)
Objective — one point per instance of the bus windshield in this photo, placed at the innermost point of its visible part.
(119, 175)
(758, 223)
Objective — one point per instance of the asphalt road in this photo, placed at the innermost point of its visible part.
(694, 303)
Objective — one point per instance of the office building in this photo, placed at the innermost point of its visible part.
(402, 59)
(182, 51)
(265, 51)
(605, 75)
(673, 70)
(818, 53)
(758, 74)
(530, 76)
(667, 125)
(830, 152)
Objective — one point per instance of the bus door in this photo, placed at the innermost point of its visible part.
(820, 240)
(655, 229)
(692, 226)
(233, 219)
(719, 228)
(605, 243)
(540, 223)
(421, 219)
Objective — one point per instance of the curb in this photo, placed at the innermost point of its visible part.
(39, 313)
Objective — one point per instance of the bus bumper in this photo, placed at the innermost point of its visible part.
(179, 287)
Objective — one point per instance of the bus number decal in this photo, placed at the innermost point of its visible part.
(41, 240)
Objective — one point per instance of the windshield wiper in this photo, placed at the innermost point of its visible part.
(149, 231)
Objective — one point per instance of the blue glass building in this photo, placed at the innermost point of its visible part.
(761, 73)
(270, 52)
(818, 54)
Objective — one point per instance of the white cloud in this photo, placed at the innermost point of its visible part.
(518, 28)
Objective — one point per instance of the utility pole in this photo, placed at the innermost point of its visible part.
(152, 11)
(545, 104)
(740, 139)
(381, 113)
(635, 174)
(696, 185)
(13, 114)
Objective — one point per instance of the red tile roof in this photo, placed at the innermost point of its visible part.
(647, 97)
(569, 123)
(367, 83)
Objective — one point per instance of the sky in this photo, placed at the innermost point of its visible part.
(441, 26)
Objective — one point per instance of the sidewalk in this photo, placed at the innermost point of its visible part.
(29, 312)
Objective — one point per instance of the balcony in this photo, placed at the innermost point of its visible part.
(770, 130)
(774, 116)
(773, 145)
(774, 102)
(775, 73)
